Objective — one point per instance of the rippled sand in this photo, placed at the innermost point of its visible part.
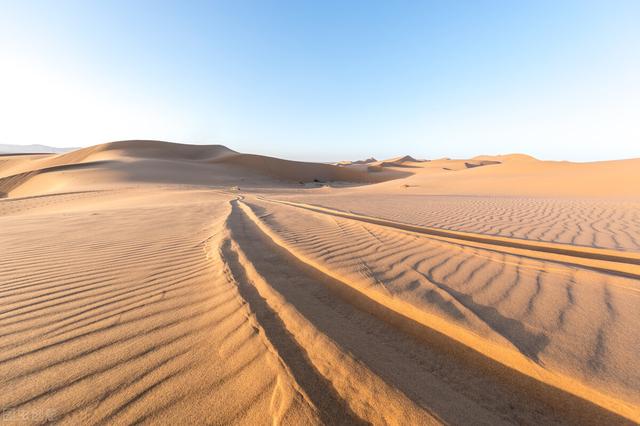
(152, 283)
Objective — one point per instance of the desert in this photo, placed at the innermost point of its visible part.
(153, 282)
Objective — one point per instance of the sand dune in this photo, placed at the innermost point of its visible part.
(31, 149)
(519, 175)
(163, 162)
(403, 161)
(150, 282)
(356, 162)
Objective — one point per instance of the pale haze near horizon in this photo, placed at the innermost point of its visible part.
(326, 81)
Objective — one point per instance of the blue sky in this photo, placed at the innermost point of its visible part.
(327, 80)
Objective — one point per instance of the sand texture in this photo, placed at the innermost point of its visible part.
(151, 282)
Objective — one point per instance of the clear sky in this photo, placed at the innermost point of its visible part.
(327, 80)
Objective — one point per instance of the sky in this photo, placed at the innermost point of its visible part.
(327, 80)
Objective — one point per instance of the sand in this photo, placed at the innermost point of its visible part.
(151, 282)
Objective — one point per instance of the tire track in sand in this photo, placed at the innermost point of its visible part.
(507, 375)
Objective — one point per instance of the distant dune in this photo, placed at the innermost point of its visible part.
(356, 162)
(30, 149)
(164, 162)
(155, 282)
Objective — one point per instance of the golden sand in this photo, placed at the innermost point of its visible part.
(152, 282)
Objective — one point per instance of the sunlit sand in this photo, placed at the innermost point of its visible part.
(145, 281)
